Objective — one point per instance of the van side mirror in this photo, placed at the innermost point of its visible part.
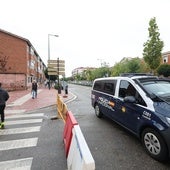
(129, 99)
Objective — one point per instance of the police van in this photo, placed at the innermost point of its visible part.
(141, 104)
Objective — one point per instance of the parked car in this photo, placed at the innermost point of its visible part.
(141, 104)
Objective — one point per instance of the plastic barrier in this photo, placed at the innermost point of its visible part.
(67, 135)
(79, 156)
(61, 108)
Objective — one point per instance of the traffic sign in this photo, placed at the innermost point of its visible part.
(56, 73)
(56, 61)
(56, 67)
(50, 69)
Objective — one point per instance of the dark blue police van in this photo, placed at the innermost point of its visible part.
(141, 104)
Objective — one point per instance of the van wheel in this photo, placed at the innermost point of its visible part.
(97, 111)
(154, 144)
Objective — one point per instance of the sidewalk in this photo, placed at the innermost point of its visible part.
(21, 101)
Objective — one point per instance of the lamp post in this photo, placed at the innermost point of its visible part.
(49, 51)
(58, 66)
(49, 44)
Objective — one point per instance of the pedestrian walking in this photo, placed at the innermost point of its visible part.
(66, 89)
(4, 96)
(34, 89)
(48, 84)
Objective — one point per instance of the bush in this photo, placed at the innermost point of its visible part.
(56, 86)
(164, 70)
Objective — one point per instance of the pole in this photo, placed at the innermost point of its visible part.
(49, 57)
(49, 52)
(48, 46)
(58, 70)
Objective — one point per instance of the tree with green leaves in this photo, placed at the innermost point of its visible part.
(153, 47)
(129, 65)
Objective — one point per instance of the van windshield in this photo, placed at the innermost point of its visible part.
(158, 88)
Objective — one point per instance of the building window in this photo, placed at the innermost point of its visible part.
(31, 51)
(165, 59)
(29, 80)
(32, 64)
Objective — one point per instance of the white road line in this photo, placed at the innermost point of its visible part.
(18, 164)
(22, 100)
(8, 116)
(14, 111)
(70, 100)
(15, 122)
(20, 130)
(15, 144)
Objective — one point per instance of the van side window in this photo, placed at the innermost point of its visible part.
(109, 88)
(106, 86)
(127, 89)
(98, 85)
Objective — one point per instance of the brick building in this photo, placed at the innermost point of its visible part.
(19, 62)
(166, 57)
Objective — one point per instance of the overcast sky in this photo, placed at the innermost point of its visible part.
(90, 31)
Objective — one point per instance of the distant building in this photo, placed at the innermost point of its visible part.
(80, 70)
(20, 63)
(166, 57)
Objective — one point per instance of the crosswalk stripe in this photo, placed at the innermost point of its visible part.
(19, 164)
(19, 130)
(8, 116)
(19, 118)
(15, 122)
(15, 144)
(14, 111)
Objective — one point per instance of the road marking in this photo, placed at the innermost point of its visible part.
(15, 144)
(18, 164)
(14, 111)
(15, 122)
(70, 100)
(20, 130)
(9, 145)
(8, 116)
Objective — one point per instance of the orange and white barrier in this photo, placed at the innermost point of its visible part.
(79, 156)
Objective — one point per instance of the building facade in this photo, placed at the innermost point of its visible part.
(20, 64)
(166, 57)
(81, 70)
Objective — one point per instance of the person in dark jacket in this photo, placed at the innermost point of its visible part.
(34, 89)
(4, 96)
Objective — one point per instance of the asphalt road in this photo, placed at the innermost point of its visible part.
(112, 147)
(34, 140)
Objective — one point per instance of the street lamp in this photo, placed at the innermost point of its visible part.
(49, 44)
(49, 52)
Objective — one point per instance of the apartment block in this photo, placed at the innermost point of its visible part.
(20, 63)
